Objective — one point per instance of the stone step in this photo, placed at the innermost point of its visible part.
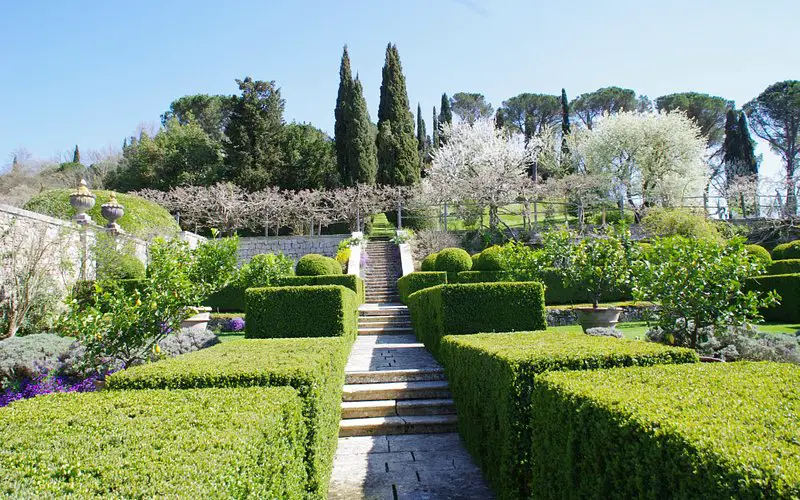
(385, 330)
(437, 389)
(423, 424)
(384, 376)
(390, 407)
(384, 324)
(391, 310)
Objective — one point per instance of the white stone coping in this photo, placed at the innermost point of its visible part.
(354, 263)
(406, 257)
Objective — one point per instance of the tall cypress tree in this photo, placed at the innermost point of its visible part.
(398, 156)
(738, 148)
(499, 119)
(361, 153)
(76, 155)
(435, 127)
(748, 146)
(566, 164)
(341, 114)
(421, 132)
(445, 113)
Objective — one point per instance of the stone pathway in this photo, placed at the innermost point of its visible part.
(397, 434)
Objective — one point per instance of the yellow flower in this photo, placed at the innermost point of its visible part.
(153, 306)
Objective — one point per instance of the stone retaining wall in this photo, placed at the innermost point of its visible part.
(291, 246)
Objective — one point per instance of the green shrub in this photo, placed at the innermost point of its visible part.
(788, 287)
(491, 377)
(786, 251)
(207, 443)
(33, 355)
(414, 282)
(759, 252)
(317, 265)
(227, 299)
(557, 293)
(681, 222)
(428, 263)
(481, 276)
(476, 307)
(350, 281)
(301, 311)
(693, 431)
(84, 291)
(489, 260)
(314, 367)
(453, 260)
(120, 266)
(263, 269)
(343, 257)
(142, 217)
(787, 266)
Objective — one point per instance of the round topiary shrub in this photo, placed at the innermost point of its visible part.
(142, 217)
(489, 259)
(317, 265)
(453, 260)
(759, 252)
(785, 251)
(428, 263)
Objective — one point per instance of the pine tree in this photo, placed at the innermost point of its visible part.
(341, 134)
(361, 152)
(566, 164)
(398, 156)
(435, 128)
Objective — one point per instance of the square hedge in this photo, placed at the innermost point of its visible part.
(202, 443)
(350, 281)
(711, 430)
(492, 376)
(301, 311)
(416, 281)
(788, 287)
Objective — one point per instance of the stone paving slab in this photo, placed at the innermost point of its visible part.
(413, 466)
(389, 352)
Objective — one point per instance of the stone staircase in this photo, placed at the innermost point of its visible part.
(392, 383)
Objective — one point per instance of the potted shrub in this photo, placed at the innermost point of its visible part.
(599, 265)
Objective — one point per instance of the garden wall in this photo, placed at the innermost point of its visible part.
(291, 246)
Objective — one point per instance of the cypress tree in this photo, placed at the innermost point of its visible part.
(15, 164)
(361, 153)
(566, 164)
(748, 147)
(446, 113)
(499, 119)
(730, 146)
(398, 156)
(341, 114)
(76, 155)
(421, 132)
(435, 127)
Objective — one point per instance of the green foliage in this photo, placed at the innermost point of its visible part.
(471, 107)
(314, 367)
(343, 257)
(481, 276)
(707, 111)
(307, 159)
(350, 281)
(264, 269)
(317, 265)
(787, 266)
(738, 148)
(761, 253)
(301, 311)
(453, 260)
(680, 222)
(33, 355)
(117, 265)
(787, 286)
(592, 105)
(445, 113)
(786, 251)
(489, 260)
(476, 307)
(398, 158)
(414, 282)
(142, 218)
(210, 112)
(711, 430)
(522, 262)
(138, 445)
(528, 113)
(428, 263)
(492, 376)
(699, 283)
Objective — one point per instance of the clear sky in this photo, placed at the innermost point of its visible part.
(89, 72)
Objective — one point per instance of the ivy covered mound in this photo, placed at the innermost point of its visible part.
(716, 430)
(206, 443)
(142, 217)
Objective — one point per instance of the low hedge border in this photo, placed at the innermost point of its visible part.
(476, 307)
(203, 443)
(491, 377)
(701, 431)
(314, 367)
(787, 266)
(350, 281)
(414, 282)
(301, 311)
(788, 287)
(482, 277)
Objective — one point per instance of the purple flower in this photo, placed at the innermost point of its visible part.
(48, 384)
(236, 325)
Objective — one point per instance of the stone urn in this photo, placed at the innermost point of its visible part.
(601, 317)
(200, 316)
(112, 212)
(82, 200)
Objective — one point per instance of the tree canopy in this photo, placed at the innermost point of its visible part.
(707, 111)
(530, 113)
(591, 105)
(470, 107)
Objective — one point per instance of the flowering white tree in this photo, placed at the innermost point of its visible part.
(479, 163)
(653, 159)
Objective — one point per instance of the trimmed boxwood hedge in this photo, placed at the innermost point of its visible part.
(489, 260)
(788, 287)
(428, 263)
(785, 251)
(787, 266)
(481, 277)
(476, 307)
(491, 377)
(413, 282)
(202, 443)
(312, 366)
(350, 281)
(227, 299)
(317, 265)
(453, 260)
(301, 311)
(759, 252)
(717, 430)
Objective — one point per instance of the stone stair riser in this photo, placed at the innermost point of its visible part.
(364, 393)
(398, 425)
(390, 408)
(386, 376)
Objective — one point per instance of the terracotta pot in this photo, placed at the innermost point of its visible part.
(199, 320)
(602, 317)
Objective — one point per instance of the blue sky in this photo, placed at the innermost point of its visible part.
(89, 72)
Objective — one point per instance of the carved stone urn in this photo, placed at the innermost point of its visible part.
(112, 211)
(82, 200)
